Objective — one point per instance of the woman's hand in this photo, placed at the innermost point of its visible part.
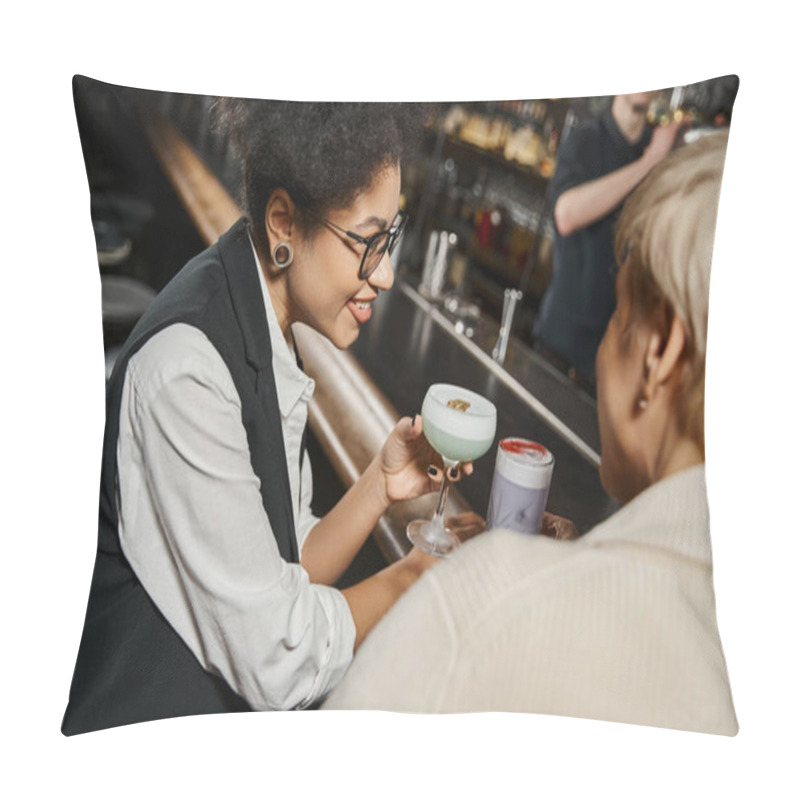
(558, 527)
(465, 525)
(661, 142)
(406, 463)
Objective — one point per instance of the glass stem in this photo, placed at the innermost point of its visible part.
(439, 515)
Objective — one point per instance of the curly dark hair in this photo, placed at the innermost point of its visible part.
(323, 154)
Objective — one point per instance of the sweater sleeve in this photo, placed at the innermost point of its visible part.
(406, 661)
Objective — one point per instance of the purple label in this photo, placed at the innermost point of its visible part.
(515, 507)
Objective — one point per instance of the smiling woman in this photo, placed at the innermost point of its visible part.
(321, 182)
(212, 583)
(324, 287)
(375, 248)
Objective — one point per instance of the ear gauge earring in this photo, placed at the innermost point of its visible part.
(282, 255)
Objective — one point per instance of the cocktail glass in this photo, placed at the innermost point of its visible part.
(460, 425)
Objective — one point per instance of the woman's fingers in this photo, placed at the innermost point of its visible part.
(435, 474)
(558, 527)
(410, 427)
(466, 525)
(454, 474)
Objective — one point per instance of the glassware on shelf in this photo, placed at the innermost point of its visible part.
(510, 299)
(437, 261)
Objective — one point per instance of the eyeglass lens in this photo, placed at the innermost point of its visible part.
(377, 249)
(375, 252)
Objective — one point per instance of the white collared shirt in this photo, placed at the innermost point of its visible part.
(193, 526)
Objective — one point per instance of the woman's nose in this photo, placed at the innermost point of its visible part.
(383, 277)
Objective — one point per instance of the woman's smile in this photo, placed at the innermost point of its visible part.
(361, 308)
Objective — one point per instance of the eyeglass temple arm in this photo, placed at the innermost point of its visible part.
(361, 240)
(354, 236)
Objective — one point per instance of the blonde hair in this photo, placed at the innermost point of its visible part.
(666, 236)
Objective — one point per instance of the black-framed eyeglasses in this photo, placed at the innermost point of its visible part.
(375, 246)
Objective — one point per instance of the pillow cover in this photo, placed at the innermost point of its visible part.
(618, 625)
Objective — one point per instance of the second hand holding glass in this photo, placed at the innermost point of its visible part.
(460, 425)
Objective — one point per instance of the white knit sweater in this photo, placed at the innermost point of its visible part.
(619, 625)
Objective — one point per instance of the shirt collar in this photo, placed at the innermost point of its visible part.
(291, 382)
(671, 514)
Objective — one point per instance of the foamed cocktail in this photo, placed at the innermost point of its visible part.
(460, 425)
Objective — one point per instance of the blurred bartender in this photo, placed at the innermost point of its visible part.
(599, 164)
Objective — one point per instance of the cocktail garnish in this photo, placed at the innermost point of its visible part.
(458, 405)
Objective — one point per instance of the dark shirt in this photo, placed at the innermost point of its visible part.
(580, 299)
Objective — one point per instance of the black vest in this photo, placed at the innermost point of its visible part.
(132, 666)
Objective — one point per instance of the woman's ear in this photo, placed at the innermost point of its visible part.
(279, 218)
(663, 356)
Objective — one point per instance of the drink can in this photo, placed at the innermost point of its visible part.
(520, 485)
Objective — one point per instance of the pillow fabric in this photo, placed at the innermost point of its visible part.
(618, 624)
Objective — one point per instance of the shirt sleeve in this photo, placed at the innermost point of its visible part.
(571, 169)
(306, 519)
(194, 529)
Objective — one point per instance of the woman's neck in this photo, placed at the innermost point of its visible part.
(676, 453)
(278, 295)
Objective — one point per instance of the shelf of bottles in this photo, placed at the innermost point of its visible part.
(521, 134)
(485, 178)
